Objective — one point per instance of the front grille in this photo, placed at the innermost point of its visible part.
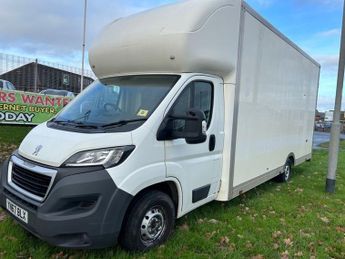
(29, 179)
(32, 182)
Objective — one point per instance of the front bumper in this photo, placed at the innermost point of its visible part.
(84, 208)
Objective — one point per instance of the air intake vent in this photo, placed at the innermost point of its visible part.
(29, 179)
(32, 182)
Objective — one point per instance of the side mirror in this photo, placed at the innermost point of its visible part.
(191, 127)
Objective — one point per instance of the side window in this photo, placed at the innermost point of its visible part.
(1, 84)
(203, 98)
(197, 95)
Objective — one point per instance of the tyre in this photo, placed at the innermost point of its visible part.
(285, 176)
(149, 222)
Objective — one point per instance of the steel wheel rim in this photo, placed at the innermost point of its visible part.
(153, 225)
(287, 172)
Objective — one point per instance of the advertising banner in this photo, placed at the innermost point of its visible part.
(29, 108)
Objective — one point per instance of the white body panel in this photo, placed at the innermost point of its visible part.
(194, 164)
(277, 96)
(229, 112)
(187, 37)
(58, 146)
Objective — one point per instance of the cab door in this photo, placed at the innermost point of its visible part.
(198, 166)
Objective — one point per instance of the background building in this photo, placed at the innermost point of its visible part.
(319, 116)
(35, 77)
(324, 120)
(329, 116)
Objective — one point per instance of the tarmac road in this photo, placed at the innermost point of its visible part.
(322, 137)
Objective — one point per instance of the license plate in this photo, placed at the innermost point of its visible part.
(17, 211)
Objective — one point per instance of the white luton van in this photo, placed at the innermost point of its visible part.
(197, 101)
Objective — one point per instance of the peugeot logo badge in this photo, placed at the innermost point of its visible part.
(37, 150)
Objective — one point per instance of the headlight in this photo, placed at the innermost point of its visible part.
(108, 157)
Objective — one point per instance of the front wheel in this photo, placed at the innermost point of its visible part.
(285, 176)
(149, 222)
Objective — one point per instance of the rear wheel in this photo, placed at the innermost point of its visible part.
(285, 176)
(149, 222)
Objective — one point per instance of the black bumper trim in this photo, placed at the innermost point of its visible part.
(82, 210)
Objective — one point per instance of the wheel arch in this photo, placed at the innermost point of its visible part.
(170, 186)
(291, 157)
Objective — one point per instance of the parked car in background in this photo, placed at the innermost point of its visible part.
(64, 93)
(327, 124)
(6, 85)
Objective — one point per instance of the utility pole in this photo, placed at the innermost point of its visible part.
(83, 54)
(335, 131)
(36, 76)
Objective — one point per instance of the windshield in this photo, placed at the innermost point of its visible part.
(117, 102)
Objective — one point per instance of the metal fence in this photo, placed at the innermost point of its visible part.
(29, 74)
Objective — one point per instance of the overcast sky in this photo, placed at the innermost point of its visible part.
(51, 30)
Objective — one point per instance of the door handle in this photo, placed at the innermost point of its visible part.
(212, 143)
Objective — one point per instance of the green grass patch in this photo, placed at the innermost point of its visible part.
(13, 134)
(274, 220)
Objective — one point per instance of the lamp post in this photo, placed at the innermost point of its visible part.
(83, 51)
(335, 131)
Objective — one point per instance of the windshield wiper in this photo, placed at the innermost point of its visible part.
(82, 125)
(85, 117)
(75, 124)
(59, 122)
(121, 123)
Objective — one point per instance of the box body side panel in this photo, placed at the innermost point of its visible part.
(278, 91)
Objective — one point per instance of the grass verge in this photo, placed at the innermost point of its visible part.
(13, 134)
(272, 221)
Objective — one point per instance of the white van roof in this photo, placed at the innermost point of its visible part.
(199, 36)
